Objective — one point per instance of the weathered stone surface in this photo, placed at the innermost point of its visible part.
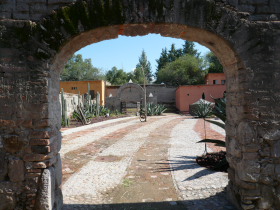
(46, 194)
(43, 142)
(248, 171)
(246, 133)
(3, 166)
(8, 202)
(12, 143)
(58, 172)
(16, 170)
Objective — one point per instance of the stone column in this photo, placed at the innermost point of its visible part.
(30, 172)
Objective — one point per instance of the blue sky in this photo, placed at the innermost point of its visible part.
(124, 52)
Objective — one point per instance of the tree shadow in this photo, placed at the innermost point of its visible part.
(185, 163)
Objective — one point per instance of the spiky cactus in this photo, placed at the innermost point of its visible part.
(65, 119)
(97, 103)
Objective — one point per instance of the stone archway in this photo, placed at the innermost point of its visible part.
(35, 46)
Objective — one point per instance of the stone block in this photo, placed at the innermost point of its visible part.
(12, 143)
(41, 149)
(58, 199)
(8, 202)
(275, 149)
(58, 172)
(16, 170)
(37, 157)
(9, 123)
(266, 200)
(272, 135)
(39, 142)
(41, 134)
(248, 171)
(3, 166)
(268, 169)
(46, 193)
(246, 133)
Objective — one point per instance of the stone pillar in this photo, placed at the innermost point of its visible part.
(30, 166)
(253, 135)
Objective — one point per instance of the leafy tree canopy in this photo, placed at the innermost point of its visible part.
(77, 69)
(214, 65)
(173, 54)
(117, 76)
(185, 70)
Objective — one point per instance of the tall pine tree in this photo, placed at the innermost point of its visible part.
(146, 66)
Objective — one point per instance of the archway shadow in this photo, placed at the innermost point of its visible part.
(215, 202)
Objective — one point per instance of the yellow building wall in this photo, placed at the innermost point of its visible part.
(82, 87)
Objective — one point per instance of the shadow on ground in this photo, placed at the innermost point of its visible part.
(184, 163)
(211, 203)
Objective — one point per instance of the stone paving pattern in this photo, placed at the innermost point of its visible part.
(149, 147)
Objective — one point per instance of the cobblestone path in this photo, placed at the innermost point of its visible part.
(126, 164)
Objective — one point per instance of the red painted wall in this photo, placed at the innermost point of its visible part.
(187, 95)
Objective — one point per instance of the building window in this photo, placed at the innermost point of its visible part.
(74, 88)
(223, 82)
(215, 82)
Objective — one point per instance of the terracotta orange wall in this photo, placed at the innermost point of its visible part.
(187, 95)
(214, 76)
(97, 86)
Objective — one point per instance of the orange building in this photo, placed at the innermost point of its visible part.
(189, 94)
(82, 88)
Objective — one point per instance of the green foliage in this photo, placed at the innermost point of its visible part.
(169, 56)
(65, 121)
(77, 69)
(186, 70)
(214, 65)
(188, 49)
(203, 109)
(144, 64)
(220, 109)
(155, 109)
(117, 76)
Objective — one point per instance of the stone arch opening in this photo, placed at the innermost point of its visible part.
(37, 50)
(218, 45)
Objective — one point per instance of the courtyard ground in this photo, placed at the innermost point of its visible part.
(128, 164)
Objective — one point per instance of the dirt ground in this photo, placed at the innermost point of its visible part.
(148, 182)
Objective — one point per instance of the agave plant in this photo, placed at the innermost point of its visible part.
(155, 109)
(220, 111)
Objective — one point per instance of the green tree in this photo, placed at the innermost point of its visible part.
(146, 66)
(174, 53)
(117, 76)
(189, 49)
(214, 65)
(77, 69)
(185, 70)
(167, 57)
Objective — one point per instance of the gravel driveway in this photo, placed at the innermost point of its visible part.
(126, 164)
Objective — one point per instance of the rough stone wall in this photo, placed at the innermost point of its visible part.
(35, 10)
(258, 9)
(30, 9)
(32, 53)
